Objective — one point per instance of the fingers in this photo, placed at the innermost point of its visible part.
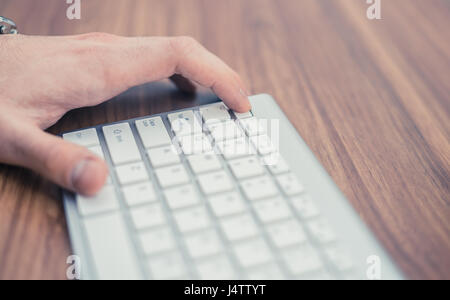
(69, 165)
(149, 59)
(196, 63)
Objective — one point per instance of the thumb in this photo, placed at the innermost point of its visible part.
(69, 165)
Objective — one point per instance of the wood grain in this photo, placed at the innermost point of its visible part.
(371, 99)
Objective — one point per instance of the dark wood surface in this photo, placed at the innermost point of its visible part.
(371, 99)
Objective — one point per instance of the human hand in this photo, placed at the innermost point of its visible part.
(41, 78)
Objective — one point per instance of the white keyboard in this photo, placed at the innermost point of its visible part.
(206, 193)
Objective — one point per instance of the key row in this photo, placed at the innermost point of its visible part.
(288, 236)
(170, 172)
(205, 246)
(253, 254)
(123, 148)
(239, 226)
(138, 189)
(236, 222)
(242, 167)
(230, 145)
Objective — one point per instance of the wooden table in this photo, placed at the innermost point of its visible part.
(371, 99)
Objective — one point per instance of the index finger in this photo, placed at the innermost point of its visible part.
(196, 63)
(155, 58)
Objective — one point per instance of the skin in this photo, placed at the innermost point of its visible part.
(41, 78)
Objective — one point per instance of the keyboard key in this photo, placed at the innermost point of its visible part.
(246, 115)
(168, 266)
(131, 173)
(263, 144)
(266, 272)
(271, 210)
(227, 204)
(111, 248)
(148, 216)
(192, 219)
(203, 244)
(235, 148)
(184, 123)
(239, 227)
(290, 184)
(217, 268)
(97, 150)
(214, 113)
(254, 252)
(157, 240)
(225, 131)
(153, 132)
(104, 201)
(302, 259)
(205, 162)
(85, 138)
(163, 156)
(170, 176)
(260, 187)
(305, 206)
(246, 167)
(253, 126)
(286, 233)
(121, 143)
(140, 193)
(321, 231)
(340, 260)
(182, 196)
(276, 165)
(216, 182)
(195, 144)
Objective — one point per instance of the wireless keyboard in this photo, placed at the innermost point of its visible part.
(206, 193)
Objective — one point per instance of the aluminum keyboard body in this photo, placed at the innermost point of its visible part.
(166, 213)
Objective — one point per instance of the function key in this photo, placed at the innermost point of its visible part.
(121, 143)
(85, 138)
(215, 113)
(245, 115)
(153, 133)
(184, 123)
